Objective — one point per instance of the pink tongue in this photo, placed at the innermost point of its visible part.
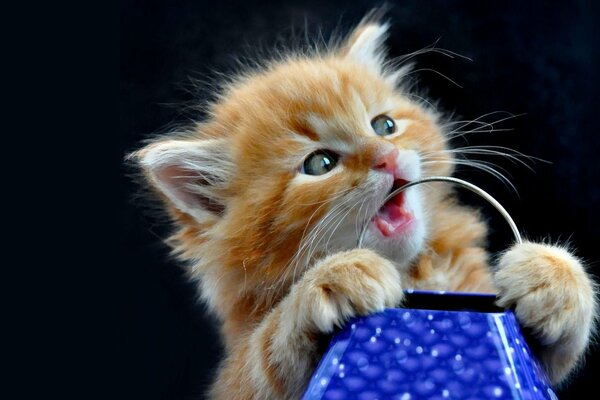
(393, 218)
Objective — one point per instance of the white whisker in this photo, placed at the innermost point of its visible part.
(481, 165)
(436, 72)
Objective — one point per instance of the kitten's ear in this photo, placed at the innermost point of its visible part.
(365, 44)
(191, 174)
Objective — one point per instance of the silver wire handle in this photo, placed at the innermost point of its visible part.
(475, 189)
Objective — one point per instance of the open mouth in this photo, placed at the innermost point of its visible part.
(393, 218)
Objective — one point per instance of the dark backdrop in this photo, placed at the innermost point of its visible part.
(532, 58)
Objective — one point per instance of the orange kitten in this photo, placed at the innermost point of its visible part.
(269, 193)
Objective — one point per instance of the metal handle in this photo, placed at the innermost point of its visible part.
(475, 189)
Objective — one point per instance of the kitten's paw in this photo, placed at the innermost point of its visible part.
(355, 282)
(553, 296)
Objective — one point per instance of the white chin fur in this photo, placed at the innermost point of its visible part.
(401, 249)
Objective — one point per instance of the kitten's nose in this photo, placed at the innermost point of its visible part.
(387, 161)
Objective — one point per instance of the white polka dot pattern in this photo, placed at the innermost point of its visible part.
(425, 354)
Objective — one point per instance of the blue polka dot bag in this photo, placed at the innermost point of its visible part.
(442, 346)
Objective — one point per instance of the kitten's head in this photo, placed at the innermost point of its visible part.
(295, 158)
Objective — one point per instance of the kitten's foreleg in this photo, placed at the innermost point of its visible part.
(281, 352)
(554, 297)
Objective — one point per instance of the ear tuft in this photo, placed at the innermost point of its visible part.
(191, 174)
(365, 45)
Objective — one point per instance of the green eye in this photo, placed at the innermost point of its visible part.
(383, 125)
(320, 162)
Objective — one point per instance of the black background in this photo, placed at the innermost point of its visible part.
(539, 59)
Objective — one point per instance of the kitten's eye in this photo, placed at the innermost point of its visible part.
(383, 125)
(320, 162)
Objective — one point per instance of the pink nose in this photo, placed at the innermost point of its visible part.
(387, 161)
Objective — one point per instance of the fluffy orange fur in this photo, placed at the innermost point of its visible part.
(272, 248)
